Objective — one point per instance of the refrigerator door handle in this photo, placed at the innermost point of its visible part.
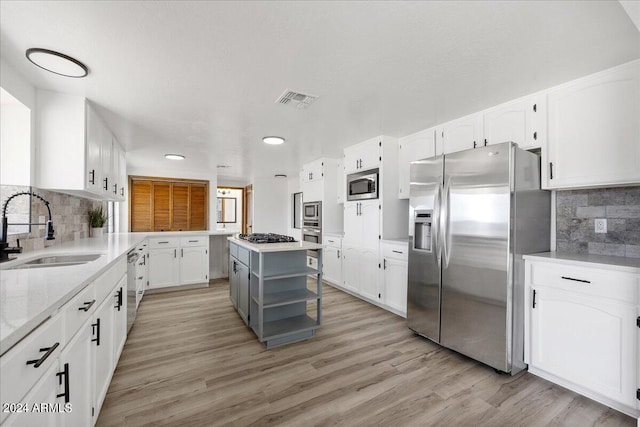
(445, 234)
(437, 213)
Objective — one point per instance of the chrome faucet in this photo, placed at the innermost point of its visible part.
(5, 250)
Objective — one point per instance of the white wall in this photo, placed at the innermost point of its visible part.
(270, 199)
(25, 92)
(293, 186)
(206, 175)
(15, 144)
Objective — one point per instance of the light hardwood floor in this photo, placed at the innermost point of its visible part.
(190, 361)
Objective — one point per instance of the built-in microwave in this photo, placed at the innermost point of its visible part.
(362, 185)
(312, 214)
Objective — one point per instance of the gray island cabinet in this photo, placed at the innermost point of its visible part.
(268, 287)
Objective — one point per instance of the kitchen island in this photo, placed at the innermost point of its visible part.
(268, 288)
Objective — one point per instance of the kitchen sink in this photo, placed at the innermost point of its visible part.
(55, 261)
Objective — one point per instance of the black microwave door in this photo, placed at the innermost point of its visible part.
(362, 186)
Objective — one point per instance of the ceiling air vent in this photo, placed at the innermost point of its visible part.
(296, 99)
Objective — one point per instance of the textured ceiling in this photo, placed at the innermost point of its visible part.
(201, 78)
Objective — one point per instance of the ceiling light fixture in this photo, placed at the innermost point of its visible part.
(57, 63)
(273, 140)
(174, 156)
(280, 175)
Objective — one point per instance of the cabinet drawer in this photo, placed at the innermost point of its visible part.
(397, 251)
(333, 242)
(194, 241)
(233, 249)
(243, 255)
(142, 247)
(589, 281)
(105, 283)
(164, 242)
(18, 376)
(77, 311)
(312, 262)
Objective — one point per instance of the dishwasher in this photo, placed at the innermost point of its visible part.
(132, 261)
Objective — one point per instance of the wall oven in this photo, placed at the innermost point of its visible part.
(312, 215)
(312, 225)
(362, 185)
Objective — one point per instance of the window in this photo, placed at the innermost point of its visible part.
(297, 210)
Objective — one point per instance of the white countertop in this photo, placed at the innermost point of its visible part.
(631, 265)
(29, 296)
(275, 247)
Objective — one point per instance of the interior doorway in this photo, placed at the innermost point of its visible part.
(230, 209)
(248, 209)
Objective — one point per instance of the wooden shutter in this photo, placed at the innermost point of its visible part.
(141, 206)
(180, 207)
(161, 206)
(166, 204)
(198, 205)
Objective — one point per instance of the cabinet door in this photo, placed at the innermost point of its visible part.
(122, 175)
(313, 171)
(341, 181)
(233, 282)
(77, 357)
(370, 153)
(243, 292)
(414, 147)
(102, 340)
(369, 272)
(106, 155)
(351, 269)
(512, 121)
(370, 224)
(332, 265)
(395, 284)
(43, 393)
(93, 172)
(587, 341)
(594, 131)
(352, 223)
(462, 134)
(163, 268)
(194, 265)
(120, 317)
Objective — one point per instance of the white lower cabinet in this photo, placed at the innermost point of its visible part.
(332, 263)
(393, 280)
(61, 371)
(581, 331)
(102, 351)
(42, 395)
(76, 361)
(177, 261)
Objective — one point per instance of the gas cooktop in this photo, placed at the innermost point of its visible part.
(266, 238)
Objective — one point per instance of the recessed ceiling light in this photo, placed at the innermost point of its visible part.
(280, 175)
(174, 156)
(223, 166)
(273, 140)
(57, 63)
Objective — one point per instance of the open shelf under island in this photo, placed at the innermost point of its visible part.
(268, 287)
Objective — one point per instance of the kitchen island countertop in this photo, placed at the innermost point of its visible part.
(275, 247)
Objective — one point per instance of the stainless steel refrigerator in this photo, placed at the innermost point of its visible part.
(473, 214)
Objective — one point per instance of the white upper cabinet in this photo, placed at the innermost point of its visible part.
(341, 181)
(313, 171)
(461, 134)
(123, 183)
(414, 147)
(75, 148)
(521, 121)
(363, 156)
(594, 130)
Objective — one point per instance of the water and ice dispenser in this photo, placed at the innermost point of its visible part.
(422, 230)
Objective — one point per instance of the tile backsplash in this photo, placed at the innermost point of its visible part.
(69, 215)
(576, 211)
